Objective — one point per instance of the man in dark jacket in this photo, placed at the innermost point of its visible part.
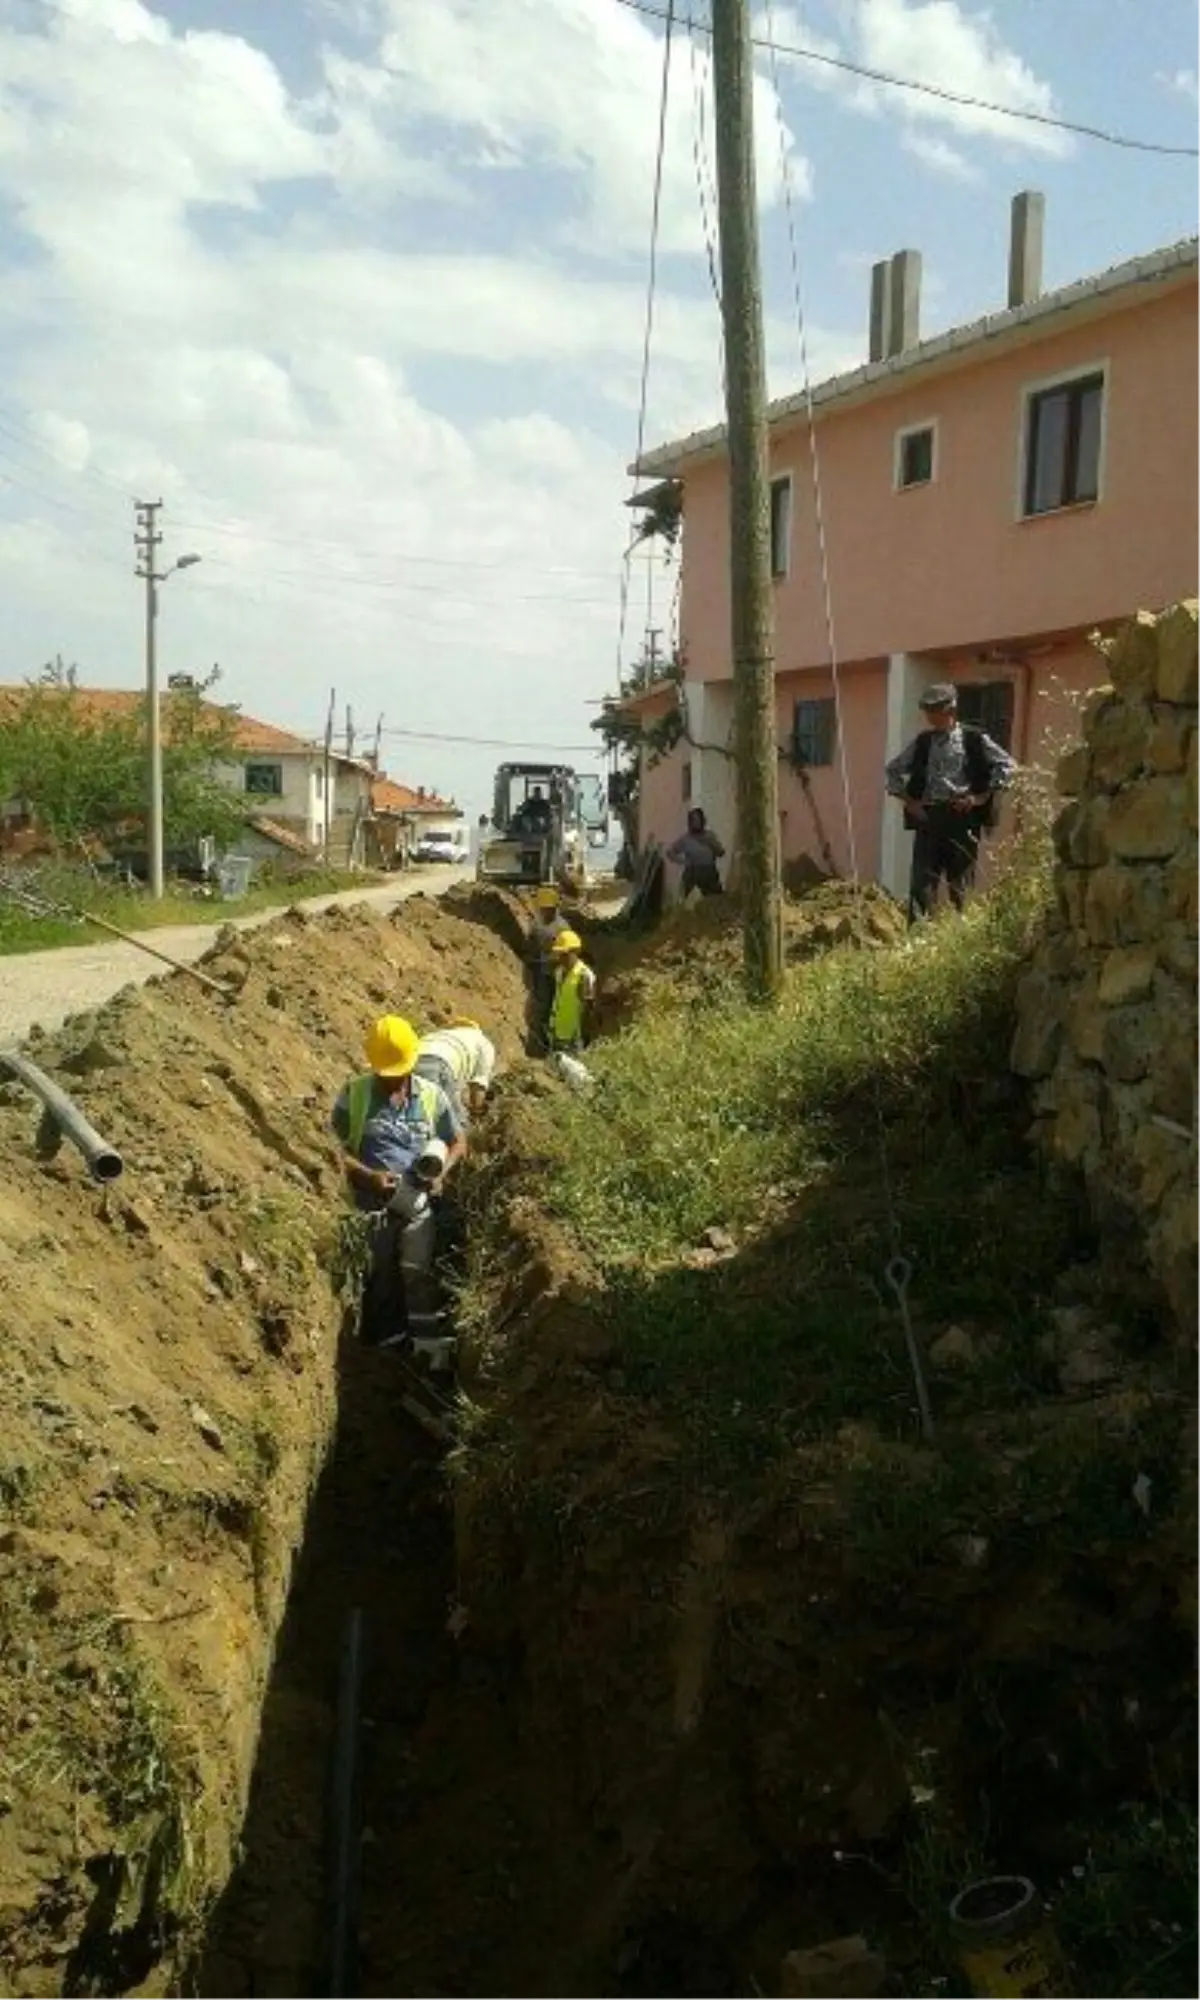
(946, 778)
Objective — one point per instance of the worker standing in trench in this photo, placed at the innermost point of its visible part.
(401, 1137)
(548, 925)
(574, 994)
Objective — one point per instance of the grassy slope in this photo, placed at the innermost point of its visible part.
(20, 932)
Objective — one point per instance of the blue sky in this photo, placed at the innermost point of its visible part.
(356, 287)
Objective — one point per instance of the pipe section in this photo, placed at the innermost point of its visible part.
(64, 1118)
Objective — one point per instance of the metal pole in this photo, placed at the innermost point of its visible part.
(752, 622)
(327, 779)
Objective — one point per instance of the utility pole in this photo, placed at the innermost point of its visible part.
(327, 778)
(753, 620)
(349, 730)
(147, 537)
(377, 752)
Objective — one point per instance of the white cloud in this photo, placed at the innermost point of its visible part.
(1181, 81)
(942, 43)
(940, 156)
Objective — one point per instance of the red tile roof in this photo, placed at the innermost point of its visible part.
(389, 797)
(249, 734)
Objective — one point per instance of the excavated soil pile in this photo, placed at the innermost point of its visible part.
(166, 1400)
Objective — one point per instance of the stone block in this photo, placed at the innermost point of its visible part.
(844, 1969)
(1070, 891)
(1076, 1131)
(1178, 952)
(1085, 1019)
(1171, 732)
(1038, 1038)
(1071, 777)
(1147, 822)
(1181, 886)
(1159, 1158)
(1173, 1251)
(1085, 835)
(1189, 785)
(1173, 1082)
(1124, 904)
(1133, 661)
(1130, 1042)
(1094, 703)
(1119, 742)
(1175, 677)
(1127, 974)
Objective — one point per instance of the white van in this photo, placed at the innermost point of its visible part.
(449, 846)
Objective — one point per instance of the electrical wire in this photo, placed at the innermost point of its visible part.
(490, 742)
(939, 91)
(648, 330)
(707, 197)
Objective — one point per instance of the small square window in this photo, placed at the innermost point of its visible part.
(988, 705)
(914, 457)
(264, 781)
(814, 732)
(781, 526)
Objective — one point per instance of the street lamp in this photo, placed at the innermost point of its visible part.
(153, 579)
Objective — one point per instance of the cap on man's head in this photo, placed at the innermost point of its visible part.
(942, 694)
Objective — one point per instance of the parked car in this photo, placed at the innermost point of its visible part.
(449, 846)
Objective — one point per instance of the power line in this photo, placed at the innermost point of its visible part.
(934, 90)
(648, 331)
(493, 742)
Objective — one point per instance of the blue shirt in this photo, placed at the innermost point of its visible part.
(398, 1129)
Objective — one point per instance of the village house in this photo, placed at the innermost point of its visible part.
(281, 779)
(989, 498)
(400, 815)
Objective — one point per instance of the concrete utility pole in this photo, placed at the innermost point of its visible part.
(753, 621)
(147, 538)
(327, 778)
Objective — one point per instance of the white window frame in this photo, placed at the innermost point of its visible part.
(1081, 372)
(783, 478)
(914, 430)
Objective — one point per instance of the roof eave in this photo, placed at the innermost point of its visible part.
(1124, 285)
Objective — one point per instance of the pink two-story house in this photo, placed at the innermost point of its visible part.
(990, 497)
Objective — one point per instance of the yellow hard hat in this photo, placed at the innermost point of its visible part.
(567, 941)
(547, 897)
(392, 1046)
(462, 1021)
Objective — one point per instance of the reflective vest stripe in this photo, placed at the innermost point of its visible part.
(360, 1094)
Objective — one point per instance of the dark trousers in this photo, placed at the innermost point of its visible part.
(402, 1292)
(704, 876)
(945, 848)
(541, 1000)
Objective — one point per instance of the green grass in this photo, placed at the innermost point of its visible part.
(20, 932)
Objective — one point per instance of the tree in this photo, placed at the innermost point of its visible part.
(637, 744)
(79, 766)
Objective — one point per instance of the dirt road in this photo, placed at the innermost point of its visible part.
(46, 986)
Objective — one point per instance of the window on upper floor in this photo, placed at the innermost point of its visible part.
(988, 705)
(916, 456)
(1063, 431)
(264, 781)
(814, 732)
(781, 525)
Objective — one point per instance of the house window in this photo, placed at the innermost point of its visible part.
(781, 525)
(686, 782)
(1062, 445)
(814, 732)
(988, 705)
(915, 457)
(264, 781)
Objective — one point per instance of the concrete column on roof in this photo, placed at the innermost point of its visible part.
(879, 341)
(905, 293)
(1025, 248)
(907, 674)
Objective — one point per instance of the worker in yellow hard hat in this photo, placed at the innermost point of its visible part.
(401, 1135)
(574, 993)
(548, 923)
(387, 1117)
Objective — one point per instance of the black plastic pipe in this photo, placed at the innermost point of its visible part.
(103, 1161)
(346, 1837)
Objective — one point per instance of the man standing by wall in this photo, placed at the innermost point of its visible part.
(946, 779)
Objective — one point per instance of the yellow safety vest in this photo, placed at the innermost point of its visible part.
(360, 1097)
(566, 1015)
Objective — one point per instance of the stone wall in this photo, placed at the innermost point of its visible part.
(1107, 1011)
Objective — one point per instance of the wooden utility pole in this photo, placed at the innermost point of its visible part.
(753, 621)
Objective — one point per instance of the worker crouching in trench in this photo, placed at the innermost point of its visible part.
(401, 1136)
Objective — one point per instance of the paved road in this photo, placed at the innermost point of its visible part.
(46, 986)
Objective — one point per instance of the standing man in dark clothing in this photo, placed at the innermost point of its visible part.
(946, 778)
